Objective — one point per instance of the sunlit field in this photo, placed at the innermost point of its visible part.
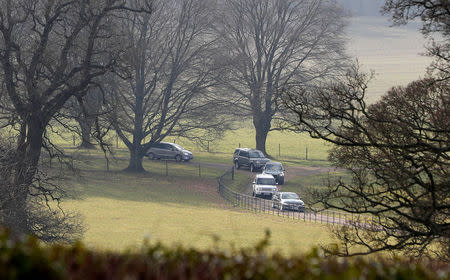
(120, 210)
(394, 53)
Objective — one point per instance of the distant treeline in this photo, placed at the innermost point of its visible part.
(363, 7)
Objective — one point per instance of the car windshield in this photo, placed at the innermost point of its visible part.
(265, 181)
(274, 167)
(178, 147)
(256, 154)
(290, 196)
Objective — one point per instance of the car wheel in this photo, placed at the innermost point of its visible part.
(151, 156)
(178, 158)
(253, 194)
(237, 165)
(252, 168)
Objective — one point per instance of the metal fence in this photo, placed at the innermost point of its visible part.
(265, 206)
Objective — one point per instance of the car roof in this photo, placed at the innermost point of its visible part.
(246, 149)
(274, 162)
(286, 192)
(264, 176)
(167, 143)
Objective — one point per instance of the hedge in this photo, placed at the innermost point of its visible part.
(27, 258)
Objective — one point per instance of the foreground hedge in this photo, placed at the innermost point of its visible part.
(29, 259)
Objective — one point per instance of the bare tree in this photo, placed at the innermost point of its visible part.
(170, 70)
(85, 111)
(273, 44)
(49, 52)
(398, 153)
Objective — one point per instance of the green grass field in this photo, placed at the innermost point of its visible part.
(288, 146)
(122, 209)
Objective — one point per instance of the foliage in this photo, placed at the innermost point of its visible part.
(28, 258)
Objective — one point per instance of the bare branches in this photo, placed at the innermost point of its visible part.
(434, 15)
(397, 151)
(270, 45)
(50, 51)
(171, 67)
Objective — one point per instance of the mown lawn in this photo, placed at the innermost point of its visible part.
(122, 209)
(286, 146)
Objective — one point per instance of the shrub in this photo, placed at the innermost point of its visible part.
(28, 258)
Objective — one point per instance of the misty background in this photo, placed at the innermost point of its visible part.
(363, 7)
(393, 52)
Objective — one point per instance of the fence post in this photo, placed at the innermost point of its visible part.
(199, 171)
(279, 149)
(306, 153)
(232, 173)
(208, 146)
(167, 169)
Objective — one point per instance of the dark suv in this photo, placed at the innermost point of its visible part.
(253, 159)
(275, 169)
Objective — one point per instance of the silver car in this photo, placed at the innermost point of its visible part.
(164, 150)
(288, 201)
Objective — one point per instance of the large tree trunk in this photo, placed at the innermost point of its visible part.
(135, 163)
(86, 128)
(262, 128)
(28, 152)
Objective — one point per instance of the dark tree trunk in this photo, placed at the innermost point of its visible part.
(262, 128)
(28, 152)
(135, 163)
(86, 128)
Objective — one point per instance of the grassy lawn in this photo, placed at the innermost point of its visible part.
(122, 209)
(285, 146)
(299, 184)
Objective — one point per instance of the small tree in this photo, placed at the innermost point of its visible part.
(398, 153)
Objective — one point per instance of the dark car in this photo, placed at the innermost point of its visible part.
(169, 151)
(251, 158)
(275, 169)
